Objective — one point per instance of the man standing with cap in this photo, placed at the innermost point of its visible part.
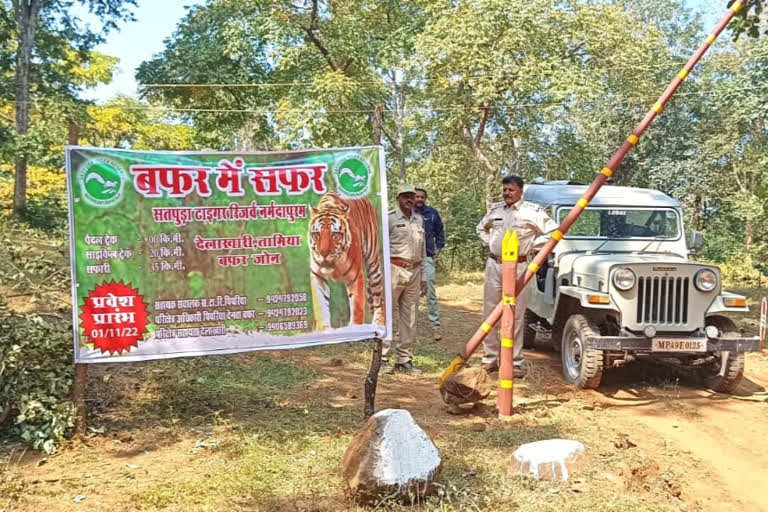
(407, 255)
(530, 221)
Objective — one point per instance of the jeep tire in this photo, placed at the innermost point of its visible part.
(529, 334)
(582, 365)
(725, 373)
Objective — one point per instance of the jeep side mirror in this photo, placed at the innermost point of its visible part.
(695, 240)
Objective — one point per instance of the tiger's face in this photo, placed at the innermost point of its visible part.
(329, 239)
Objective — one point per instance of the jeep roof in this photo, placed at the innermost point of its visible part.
(558, 193)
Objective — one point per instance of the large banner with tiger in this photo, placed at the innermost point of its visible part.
(192, 253)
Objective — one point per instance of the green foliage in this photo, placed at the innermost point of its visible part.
(35, 379)
(748, 19)
(738, 274)
(127, 123)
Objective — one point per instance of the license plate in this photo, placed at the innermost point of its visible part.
(678, 345)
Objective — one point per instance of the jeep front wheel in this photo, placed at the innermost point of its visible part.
(582, 365)
(724, 374)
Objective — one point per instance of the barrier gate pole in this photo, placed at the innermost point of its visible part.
(599, 181)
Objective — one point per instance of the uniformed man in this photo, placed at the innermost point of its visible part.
(530, 221)
(407, 255)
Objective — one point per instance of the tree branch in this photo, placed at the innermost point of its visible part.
(389, 137)
(316, 40)
(481, 125)
(466, 135)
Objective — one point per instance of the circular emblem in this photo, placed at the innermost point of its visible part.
(101, 182)
(353, 176)
(114, 317)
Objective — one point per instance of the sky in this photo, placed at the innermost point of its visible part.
(135, 42)
(156, 20)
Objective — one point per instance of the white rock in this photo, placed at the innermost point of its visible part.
(391, 455)
(550, 459)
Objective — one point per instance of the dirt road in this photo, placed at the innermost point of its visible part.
(720, 440)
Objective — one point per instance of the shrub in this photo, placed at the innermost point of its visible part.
(36, 373)
(737, 274)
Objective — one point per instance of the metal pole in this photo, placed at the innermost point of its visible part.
(509, 251)
(598, 182)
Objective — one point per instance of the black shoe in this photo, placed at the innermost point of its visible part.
(519, 372)
(386, 368)
(492, 367)
(407, 368)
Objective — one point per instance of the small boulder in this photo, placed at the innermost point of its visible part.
(469, 385)
(391, 456)
(553, 459)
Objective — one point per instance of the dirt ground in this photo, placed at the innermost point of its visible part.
(657, 436)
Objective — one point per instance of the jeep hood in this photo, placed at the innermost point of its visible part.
(591, 270)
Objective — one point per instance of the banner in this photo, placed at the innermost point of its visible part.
(186, 253)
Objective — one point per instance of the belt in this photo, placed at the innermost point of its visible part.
(520, 259)
(400, 262)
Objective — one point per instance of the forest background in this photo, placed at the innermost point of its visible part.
(469, 90)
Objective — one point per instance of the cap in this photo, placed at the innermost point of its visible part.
(406, 189)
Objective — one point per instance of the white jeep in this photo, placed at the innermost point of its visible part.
(619, 286)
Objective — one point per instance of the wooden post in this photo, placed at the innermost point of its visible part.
(372, 380)
(79, 390)
(377, 126)
(509, 251)
(73, 132)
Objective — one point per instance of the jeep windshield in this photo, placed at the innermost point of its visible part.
(610, 223)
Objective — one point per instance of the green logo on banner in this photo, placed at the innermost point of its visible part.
(101, 183)
(353, 176)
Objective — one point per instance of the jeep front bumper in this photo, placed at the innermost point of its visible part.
(644, 344)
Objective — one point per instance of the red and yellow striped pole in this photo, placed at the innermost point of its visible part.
(598, 182)
(510, 247)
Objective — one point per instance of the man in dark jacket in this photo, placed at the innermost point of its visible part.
(435, 240)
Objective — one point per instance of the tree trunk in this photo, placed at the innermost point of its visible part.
(26, 13)
(748, 237)
(490, 170)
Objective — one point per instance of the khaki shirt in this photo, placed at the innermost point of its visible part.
(406, 236)
(528, 219)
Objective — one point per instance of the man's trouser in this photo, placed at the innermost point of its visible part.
(491, 298)
(406, 288)
(433, 310)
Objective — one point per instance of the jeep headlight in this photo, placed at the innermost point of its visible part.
(624, 279)
(705, 280)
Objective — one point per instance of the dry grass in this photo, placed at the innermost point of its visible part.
(266, 432)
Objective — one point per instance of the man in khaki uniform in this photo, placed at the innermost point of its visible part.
(530, 221)
(407, 255)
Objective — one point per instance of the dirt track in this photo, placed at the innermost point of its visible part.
(721, 440)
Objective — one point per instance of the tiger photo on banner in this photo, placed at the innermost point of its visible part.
(190, 253)
(344, 241)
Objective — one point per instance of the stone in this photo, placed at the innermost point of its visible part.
(391, 456)
(553, 459)
(469, 385)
